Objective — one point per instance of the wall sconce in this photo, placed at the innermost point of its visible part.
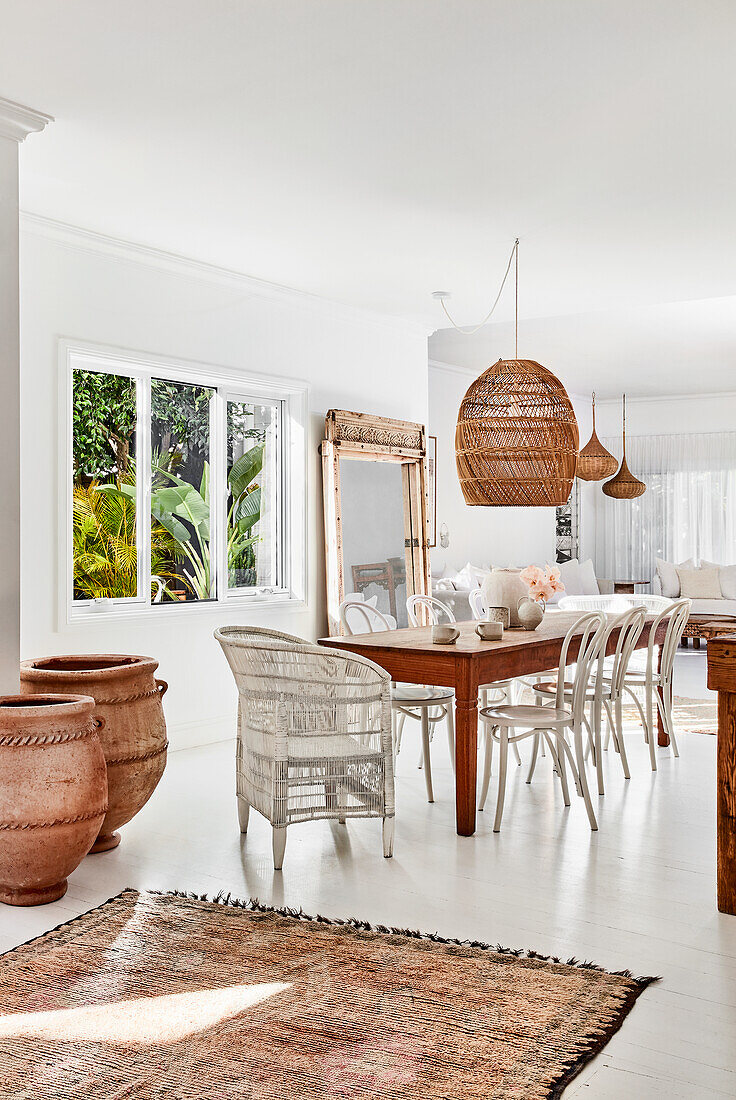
(444, 536)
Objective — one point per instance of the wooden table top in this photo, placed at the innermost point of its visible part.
(418, 639)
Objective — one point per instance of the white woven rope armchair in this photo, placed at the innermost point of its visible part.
(314, 733)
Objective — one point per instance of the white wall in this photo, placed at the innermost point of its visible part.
(89, 289)
(483, 536)
(9, 385)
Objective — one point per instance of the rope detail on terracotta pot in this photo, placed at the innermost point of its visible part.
(15, 826)
(119, 699)
(49, 737)
(136, 759)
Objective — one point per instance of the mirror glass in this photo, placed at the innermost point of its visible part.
(373, 534)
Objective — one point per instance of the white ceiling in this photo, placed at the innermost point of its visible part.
(374, 151)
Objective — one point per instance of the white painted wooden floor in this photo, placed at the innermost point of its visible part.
(639, 894)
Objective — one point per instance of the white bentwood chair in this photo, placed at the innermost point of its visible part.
(605, 688)
(407, 700)
(552, 720)
(314, 733)
(505, 691)
(657, 683)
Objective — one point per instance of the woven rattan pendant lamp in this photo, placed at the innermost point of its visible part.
(624, 486)
(594, 461)
(516, 441)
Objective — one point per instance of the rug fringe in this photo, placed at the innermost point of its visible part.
(255, 906)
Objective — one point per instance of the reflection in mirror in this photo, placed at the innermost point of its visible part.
(374, 562)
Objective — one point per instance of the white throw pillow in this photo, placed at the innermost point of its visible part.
(570, 577)
(588, 579)
(668, 577)
(727, 577)
(699, 584)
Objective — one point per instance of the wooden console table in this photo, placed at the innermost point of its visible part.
(722, 678)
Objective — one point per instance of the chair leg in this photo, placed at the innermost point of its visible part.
(503, 762)
(487, 763)
(578, 733)
(669, 720)
(278, 840)
(650, 726)
(388, 836)
(535, 752)
(515, 747)
(560, 752)
(619, 724)
(243, 814)
(597, 724)
(425, 754)
(450, 719)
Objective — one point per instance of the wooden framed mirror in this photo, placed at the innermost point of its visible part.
(375, 504)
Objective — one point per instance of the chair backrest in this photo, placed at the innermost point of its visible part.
(678, 613)
(477, 604)
(357, 617)
(629, 625)
(591, 630)
(435, 609)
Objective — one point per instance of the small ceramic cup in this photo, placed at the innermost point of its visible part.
(490, 631)
(445, 633)
(499, 615)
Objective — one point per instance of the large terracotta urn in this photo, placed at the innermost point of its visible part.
(133, 733)
(53, 793)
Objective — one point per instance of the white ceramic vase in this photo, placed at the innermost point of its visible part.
(530, 613)
(504, 588)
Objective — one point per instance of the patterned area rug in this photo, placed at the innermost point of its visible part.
(690, 715)
(173, 997)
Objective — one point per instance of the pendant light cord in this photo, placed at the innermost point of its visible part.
(472, 331)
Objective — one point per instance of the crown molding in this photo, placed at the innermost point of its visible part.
(452, 368)
(87, 240)
(658, 398)
(18, 121)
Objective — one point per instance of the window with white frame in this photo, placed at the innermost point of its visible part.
(180, 486)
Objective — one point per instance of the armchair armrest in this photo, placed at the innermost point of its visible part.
(605, 587)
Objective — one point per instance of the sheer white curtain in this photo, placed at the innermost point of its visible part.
(688, 510)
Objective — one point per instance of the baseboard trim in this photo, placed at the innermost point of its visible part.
(194, 735)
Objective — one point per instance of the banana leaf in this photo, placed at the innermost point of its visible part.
(245, 469)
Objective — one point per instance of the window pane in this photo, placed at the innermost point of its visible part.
(104, 533)
(181, 563)
(253, 492)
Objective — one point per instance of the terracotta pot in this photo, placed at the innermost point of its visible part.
(53, 793)
(133, 737)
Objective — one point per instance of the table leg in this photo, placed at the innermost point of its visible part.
(466, 753)
(726, 802)
(662, 737)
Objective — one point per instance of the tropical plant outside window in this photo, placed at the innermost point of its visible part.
(193, 520)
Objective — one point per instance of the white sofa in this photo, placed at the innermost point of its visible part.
(666, 583)
(453, 587)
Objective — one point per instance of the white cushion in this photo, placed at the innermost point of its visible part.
(713, 607)
(727, 577)
(587, 578)
(668, 577)
(699, 584)
(570, 577)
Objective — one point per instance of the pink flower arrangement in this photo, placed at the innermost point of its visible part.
(542, 583)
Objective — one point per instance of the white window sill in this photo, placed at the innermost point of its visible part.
(170, 612)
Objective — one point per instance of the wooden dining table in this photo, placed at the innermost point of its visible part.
(410, 656)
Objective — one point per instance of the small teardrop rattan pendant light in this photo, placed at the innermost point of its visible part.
(516, 441)
(594, 461)
(624, 486)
